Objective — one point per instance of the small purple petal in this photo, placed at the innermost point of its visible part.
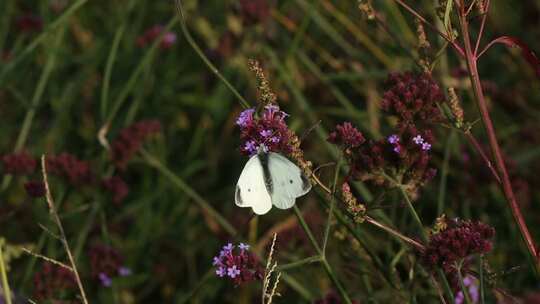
(243, 246)
(124, 271)
(220, 272)
(393, 139)
(426, 146)
(266, 133)
(397, 149)
(233, 271)
(275, 139)
(105, 280)
(418, 140)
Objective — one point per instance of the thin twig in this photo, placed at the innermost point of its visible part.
(482, 24)
(56, 218)
(52, 261)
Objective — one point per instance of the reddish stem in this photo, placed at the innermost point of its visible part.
(490, 130)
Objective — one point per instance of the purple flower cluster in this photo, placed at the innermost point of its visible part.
(267, 133)
(106, 263)
(407, 152)
(130, 140)
(346, 136)
(458, 241)
(413, 98)
(20, 163)
(65, 165)
(239, 265)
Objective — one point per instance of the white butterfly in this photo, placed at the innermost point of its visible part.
(270, 179)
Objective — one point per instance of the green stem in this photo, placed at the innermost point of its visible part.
(5, 284)
(414, 214)
(178, 182)
(327, 267)
(302, 262)
(307, 230)
(331, 208)
(481, 275)
(40, 38)
(464, 289)
(36, 99)
(336, 282)
(205, 59)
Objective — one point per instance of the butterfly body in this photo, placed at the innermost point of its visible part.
(270, 179)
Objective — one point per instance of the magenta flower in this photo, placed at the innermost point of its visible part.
(346, 136)
(269, 132)
(393, 139)
(426, 146)
(418, 139)
(238, 265)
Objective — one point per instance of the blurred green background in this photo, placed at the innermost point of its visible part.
(69, 68)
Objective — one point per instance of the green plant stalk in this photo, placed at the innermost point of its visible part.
(464, 290)
(146, 60)
(3, 273)
(302, 262)
(326, 266)
(201, 54)
(331, 208)
(40, 38)
(425, 238)
(108, 69)
(36, 99)
(180, 184)
(481, 275)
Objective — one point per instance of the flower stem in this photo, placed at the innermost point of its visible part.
(331, 208)
(464, 289)
(413, 212)
(5, 284)
(326, 266)
(471, 60)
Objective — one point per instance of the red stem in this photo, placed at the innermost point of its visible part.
(490, 130)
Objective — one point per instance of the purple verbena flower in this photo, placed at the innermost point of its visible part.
(471, 286)
(217, 260)
(124, 271)
(105, 279)
(274, 139)
(233, 271)
(418, 140)
(243, 246)
(266, 133)
(245, 117)
(393, 139)
(220, 272)
(397, 149)
(251, 147)
(426, 146)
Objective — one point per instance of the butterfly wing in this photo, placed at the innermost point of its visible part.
(288, 181)
(251, 190)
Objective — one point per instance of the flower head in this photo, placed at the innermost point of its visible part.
(346, 136)
(130, 140)
(238, 265)
(393, 139)
(151, 34)
(269, 132)
(35, 188)
(471, 285)
(458, 241)
(117, 187)
(413, 98)
(418, 139)
(105, 280)
(53, 282)
(20, 163)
